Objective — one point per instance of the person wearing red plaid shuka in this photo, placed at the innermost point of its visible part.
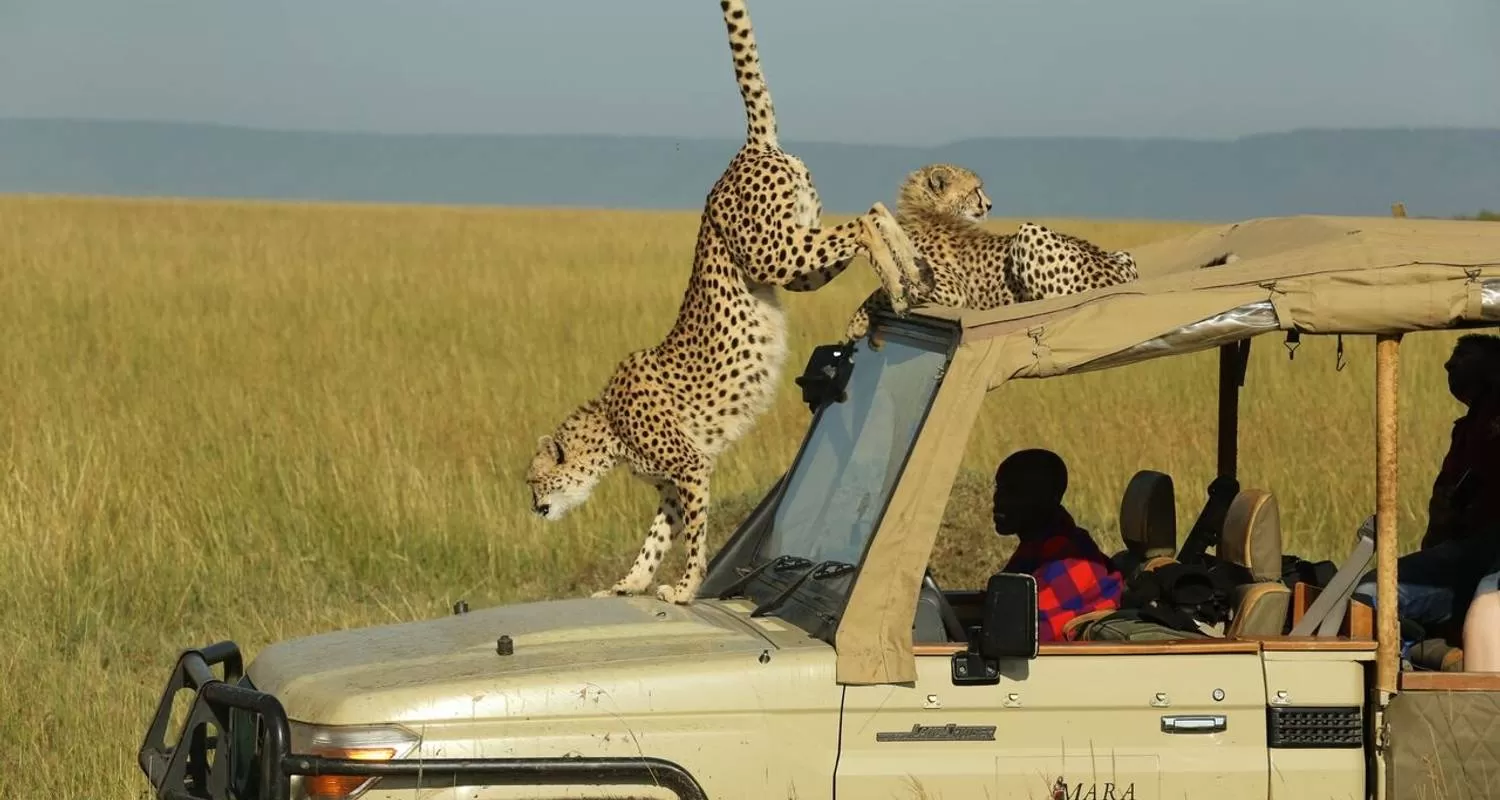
(1073, 576)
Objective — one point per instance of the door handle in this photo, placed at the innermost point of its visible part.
(1215, 723)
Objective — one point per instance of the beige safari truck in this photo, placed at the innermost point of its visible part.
(821, 659)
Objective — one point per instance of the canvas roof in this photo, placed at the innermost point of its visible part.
(1270, 249)
(1317, 274)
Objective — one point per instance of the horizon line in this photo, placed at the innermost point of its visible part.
(231, 126)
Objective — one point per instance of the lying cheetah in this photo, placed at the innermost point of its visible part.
(668, 411)
(940, 208)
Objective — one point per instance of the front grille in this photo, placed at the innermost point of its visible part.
(1315, 726)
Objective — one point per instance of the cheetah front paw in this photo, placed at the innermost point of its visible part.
(878, 249)
(679, 595)
(902, 251)
(899, 301)
(624, 588)
(857, 329)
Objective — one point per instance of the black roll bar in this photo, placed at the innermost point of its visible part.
(1234, 360)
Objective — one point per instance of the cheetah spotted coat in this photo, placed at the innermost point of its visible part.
(966, 266)
(668, 411)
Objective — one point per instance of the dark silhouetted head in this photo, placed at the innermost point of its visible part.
(1474, 368)
(1029, 488)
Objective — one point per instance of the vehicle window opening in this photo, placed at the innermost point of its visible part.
(1234, 551)
(795, 557)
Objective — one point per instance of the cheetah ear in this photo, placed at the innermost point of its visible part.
(550, 445)
(937, 180)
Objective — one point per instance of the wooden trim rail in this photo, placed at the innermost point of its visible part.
(1450, 681)
(1181, 647)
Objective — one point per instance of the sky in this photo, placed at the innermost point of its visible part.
(873, 71)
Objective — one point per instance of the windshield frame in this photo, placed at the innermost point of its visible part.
(817, 604)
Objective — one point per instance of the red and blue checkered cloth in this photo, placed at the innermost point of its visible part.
(1073, 576)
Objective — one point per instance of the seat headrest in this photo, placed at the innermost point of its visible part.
(1148, 515)
(1252, 534)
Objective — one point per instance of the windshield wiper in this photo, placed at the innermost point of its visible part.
(818, 571)
(778, 563)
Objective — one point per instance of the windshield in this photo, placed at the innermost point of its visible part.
(838, 488)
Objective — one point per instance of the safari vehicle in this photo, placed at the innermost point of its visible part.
(822, 645)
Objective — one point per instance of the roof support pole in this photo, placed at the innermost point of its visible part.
(1232, 360)
(1388, 635)
(1222, 490)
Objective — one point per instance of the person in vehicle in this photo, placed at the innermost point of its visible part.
(1436, 584)
(1073, 575)
(1466, 494)
(1482, 626)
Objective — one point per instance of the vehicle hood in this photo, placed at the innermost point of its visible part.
(329, 677)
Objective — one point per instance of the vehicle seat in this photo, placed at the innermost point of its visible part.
(936, 621)
(1070, 628)
(1148, 522)
(1252, 542)
(1158, 563)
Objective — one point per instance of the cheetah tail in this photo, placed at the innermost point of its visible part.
(760, 116)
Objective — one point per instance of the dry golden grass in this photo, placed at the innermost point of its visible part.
(256, 421)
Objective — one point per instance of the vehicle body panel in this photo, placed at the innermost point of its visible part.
(1085, 725)
(410, 670)
(1313, 678)
(1444, 743)
(751, 704)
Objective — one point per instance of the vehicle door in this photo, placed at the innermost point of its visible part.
(1081, 721)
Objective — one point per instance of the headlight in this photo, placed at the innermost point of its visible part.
(362, 742)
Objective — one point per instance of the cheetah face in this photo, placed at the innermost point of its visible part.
(565, 468)
(975, 205)
(947, 189)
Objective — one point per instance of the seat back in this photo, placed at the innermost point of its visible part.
(1148, 520)
(1252, 542)
(1157, 563)
(935, 620)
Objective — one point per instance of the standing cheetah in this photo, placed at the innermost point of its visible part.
(668, 411)
(940, 208)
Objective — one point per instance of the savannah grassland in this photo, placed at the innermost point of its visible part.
(257, 421)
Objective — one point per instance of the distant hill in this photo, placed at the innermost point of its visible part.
(1436, 172)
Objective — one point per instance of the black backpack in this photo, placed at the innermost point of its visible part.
(1182, 596)
(1295, 570)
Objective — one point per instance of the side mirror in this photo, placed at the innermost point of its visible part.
(827, 374)
(1008, 630)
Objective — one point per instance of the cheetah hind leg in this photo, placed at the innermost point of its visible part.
(695, 525)
(664, 528)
